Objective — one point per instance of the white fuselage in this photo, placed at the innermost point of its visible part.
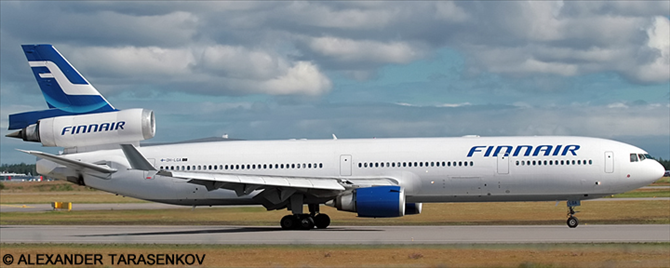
(464, 169)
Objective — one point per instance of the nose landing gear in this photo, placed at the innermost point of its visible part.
(572, 222)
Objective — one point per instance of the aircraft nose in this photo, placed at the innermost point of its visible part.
(656, 171)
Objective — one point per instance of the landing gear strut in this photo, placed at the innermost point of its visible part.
(572, 220)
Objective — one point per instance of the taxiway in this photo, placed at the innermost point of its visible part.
(369, 235)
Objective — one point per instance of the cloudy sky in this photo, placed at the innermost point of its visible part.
(281, 70)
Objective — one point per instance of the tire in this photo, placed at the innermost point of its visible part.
(306, 222)
(573, 222)
(288, 222)
(322, 221)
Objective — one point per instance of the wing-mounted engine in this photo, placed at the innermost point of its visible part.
(127, 126)
(378, 202)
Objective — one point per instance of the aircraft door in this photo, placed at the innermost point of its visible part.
(345, 165)
(503, 164)
(609, 162)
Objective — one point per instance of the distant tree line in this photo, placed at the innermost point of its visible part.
(22, 168)
(665, 163)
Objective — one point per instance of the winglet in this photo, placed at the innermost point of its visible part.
(135, 158)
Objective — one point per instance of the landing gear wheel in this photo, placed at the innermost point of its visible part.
(573, 222)
(322, 221)
(305, 222)
(288, 222)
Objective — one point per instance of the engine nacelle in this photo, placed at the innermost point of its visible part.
(125, 126)
(378, 201)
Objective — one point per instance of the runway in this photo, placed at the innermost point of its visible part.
(369, 235)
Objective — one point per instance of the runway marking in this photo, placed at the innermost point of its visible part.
(16, 206)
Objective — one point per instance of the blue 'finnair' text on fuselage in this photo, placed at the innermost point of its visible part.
(540, 150)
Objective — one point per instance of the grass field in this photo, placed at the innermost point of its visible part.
(47, 192)
(498, 255)
(494, 255)
(516, 213)
(593, 212)
(57, 191)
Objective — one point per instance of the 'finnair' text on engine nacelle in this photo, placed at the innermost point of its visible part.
(92, 129)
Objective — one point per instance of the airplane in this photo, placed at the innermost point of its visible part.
(371, 177)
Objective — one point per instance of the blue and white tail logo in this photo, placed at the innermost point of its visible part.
(65, 90)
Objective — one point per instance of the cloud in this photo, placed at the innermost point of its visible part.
(348, 50)
(530, 59)
(657, 69)
(211, 70)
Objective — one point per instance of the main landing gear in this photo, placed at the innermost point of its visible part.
(572, 220)
(300, 221)
(304, 221)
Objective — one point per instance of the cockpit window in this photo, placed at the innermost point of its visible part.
(633, 157)
(642, 156)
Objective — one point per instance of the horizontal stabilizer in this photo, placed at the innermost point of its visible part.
(74, 164)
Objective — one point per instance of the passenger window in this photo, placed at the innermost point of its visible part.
(321, 165)
(448, 164)
(517, 162)
(460, 164)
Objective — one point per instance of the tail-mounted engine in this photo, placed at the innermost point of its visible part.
(125, 126)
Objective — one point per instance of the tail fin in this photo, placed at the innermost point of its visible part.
(65, 90)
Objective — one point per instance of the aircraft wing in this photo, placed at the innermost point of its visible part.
(74, 164)
(252, 182)
(275, 190)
